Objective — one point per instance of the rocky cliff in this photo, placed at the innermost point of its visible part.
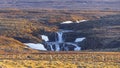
(100, 34)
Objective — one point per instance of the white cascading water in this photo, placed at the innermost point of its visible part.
(60, 37)
(77, 48)
(57, 46)
(60, 42)
(51, 47)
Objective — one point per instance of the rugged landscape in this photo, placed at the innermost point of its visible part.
(73, 34)
(101, 30)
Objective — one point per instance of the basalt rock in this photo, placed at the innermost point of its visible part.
(100, 34)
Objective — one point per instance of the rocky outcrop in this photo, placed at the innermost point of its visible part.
(100, 34)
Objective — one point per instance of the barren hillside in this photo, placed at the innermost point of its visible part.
(12, 46)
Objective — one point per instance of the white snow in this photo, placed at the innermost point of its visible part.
(77, 21)
(80, 21)
(36, 46)
(79, 39)
(45, 38)
(67, 22)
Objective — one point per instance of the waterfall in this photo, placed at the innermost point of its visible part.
(59, 44)
(77, 48)
(51, 47)
(60, 37)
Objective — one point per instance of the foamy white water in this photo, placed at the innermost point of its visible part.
(77, 48)
(60, 44)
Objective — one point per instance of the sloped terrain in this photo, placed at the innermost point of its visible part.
(15, 24)
(12, 46)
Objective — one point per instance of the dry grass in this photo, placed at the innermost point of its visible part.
(10, 45)
(62, 60)
(55, 64)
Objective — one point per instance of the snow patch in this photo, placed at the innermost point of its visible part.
(36, 46)
(77, 21)
(79, 39)
(80, 21)
(67, 22)
(45, 38)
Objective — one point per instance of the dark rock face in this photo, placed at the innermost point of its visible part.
(70, 36)
(91, 43)
(69, 47)
(51, 36)
(100, 34)
(115, 43)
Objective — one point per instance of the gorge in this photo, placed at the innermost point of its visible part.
(60, 43)
(100, 28)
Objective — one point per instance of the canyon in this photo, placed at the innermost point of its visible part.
(100, 28)
(59, 34)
